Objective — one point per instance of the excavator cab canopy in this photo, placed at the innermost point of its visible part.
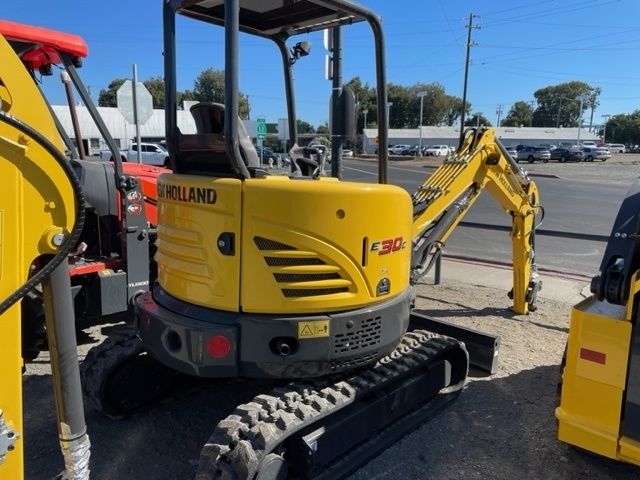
(277, 20)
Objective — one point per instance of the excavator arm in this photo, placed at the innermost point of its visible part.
(440, 204)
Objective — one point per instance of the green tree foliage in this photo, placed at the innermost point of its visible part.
(454, 110)
(304, 127)
(324, 129)
(209, 87)
(624, 128)
(521, 114)
(559, 104)
(438, 107)
(477, 119)
(155, 85)
(107, 96)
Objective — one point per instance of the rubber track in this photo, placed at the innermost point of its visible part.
(99, 363)
(242, 440)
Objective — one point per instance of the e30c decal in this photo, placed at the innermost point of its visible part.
(389, 245)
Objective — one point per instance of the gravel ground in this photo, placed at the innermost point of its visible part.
(501, 427)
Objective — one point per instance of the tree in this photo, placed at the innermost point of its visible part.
(624, 128)
(209, 87)
(559, 104)
(521, 114)
(438, 107)
(477, 119)
(454, 109)
(304, 127)
(107, 97)
(323, 129)
(155, 85)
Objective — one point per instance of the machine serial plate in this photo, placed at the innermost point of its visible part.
(314, 329)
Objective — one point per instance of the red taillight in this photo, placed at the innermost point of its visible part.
(218, 346)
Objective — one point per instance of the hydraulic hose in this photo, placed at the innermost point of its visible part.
(74, 236)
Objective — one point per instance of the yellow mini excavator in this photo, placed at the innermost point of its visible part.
(600, 404)
(290, 277)
(41, 218)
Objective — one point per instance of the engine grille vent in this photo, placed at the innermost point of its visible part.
(367, 335)
(312, 292)
(302, 273)
(305, 277)
(266, 244)
(292, 261)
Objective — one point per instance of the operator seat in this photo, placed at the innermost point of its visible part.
(204, 153)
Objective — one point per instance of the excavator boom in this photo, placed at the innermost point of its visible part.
(441, 202)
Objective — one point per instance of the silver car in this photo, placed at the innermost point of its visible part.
(596, 153)
(531, 154)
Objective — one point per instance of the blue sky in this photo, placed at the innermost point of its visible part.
(521, 45)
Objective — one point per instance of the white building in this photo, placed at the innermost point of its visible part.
(123, 132)
(510, 136)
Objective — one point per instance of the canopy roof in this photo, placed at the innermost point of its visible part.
(276, 18)
(40, 46)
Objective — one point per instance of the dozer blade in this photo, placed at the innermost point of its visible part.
(327, 428)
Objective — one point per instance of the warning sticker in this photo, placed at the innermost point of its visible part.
(314, 329)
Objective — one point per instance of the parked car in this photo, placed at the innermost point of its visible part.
(414, 150)
(512, 151)
(398, 149)
(615, 147)
(347, 153)
(567, 155)
(437, 150)
(596, 153)
(531, 154)
(150, 154)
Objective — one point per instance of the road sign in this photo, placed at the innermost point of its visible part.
(124, 96)
(261, 129)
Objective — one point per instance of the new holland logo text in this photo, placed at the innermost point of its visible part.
(187, 194)
(388, 245)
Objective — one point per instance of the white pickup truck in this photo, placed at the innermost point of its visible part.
(152, 154)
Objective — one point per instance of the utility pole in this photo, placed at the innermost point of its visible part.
(365, 111)
(421, 95)
(559, 108)
(336, 140)
(582, 99)
(604, 129)
(499, 113)
(466, 73)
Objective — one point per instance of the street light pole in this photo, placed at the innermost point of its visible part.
(363, 127)
(421, 95)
